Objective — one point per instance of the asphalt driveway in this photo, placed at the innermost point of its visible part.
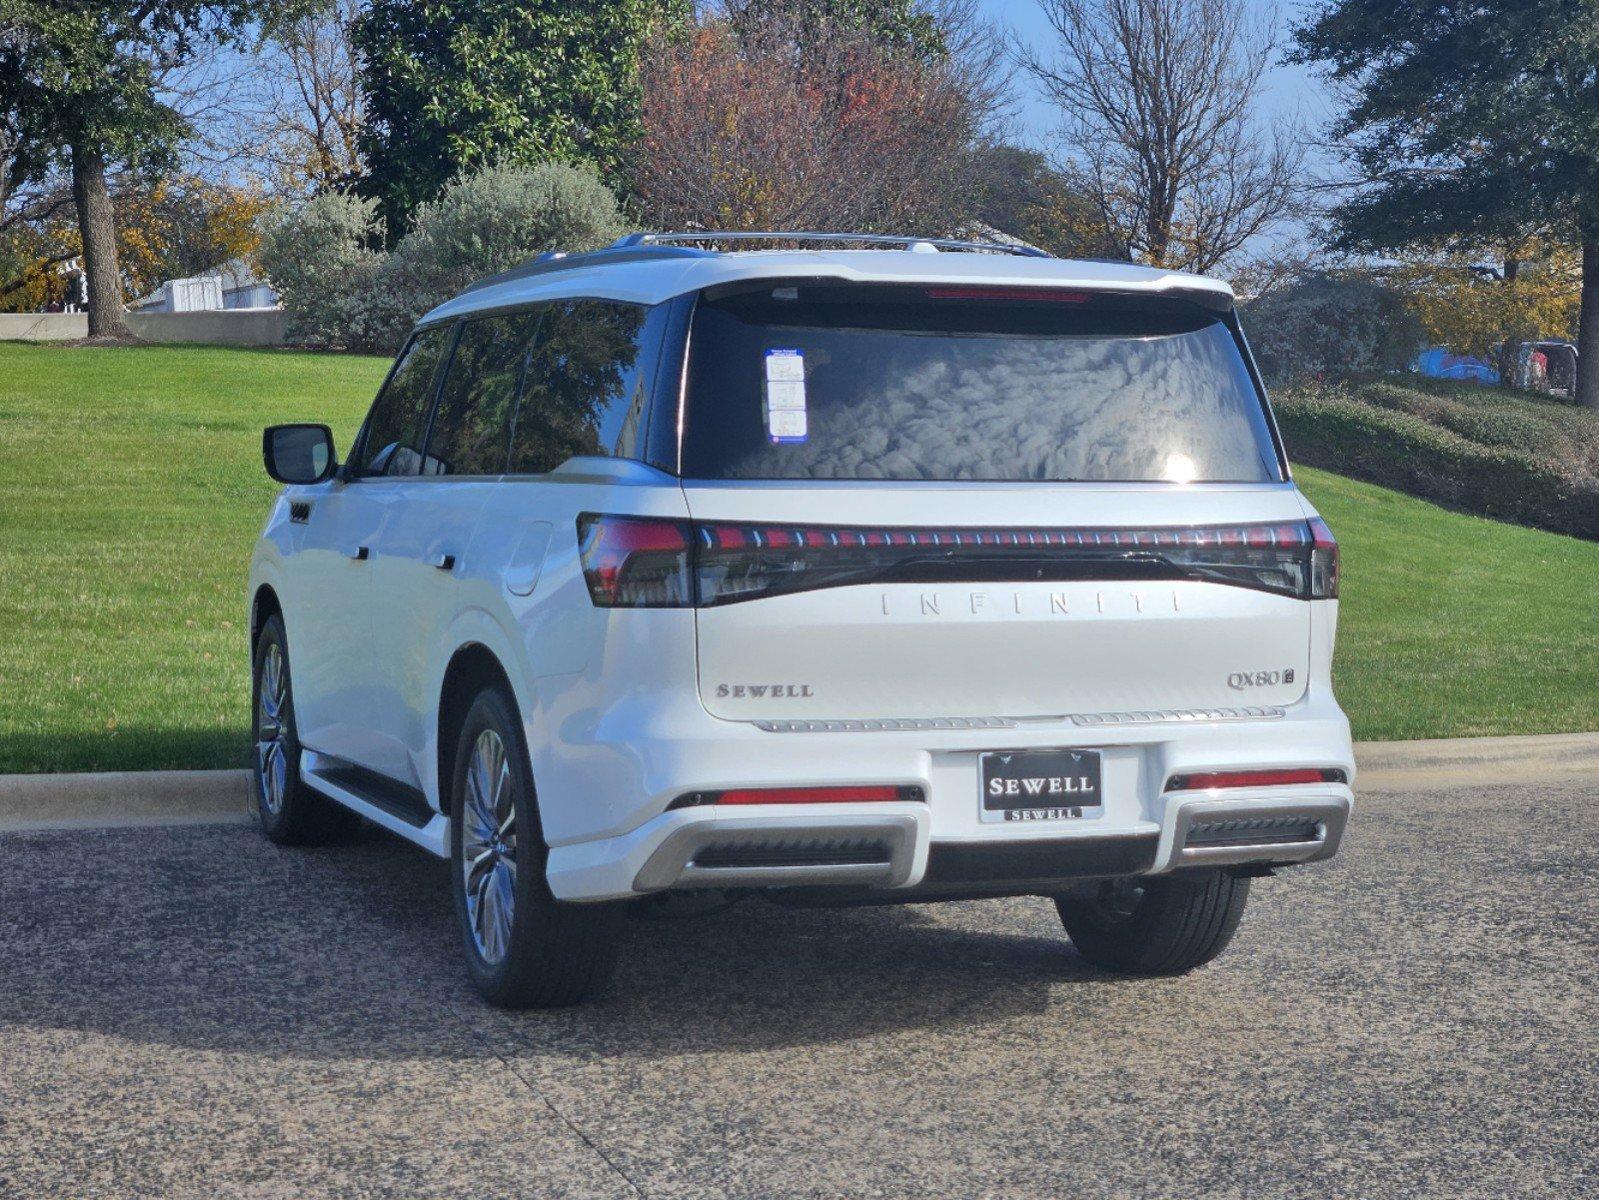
(190, 1012)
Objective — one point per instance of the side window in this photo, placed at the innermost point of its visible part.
(586, 384)
(398, 420)
(477, 400)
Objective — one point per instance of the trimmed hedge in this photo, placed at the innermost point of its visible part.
(1477, 451)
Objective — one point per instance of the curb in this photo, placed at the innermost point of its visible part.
(129, 798)
(1476, 762)
(120, 798)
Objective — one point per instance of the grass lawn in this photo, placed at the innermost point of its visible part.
(131, 492)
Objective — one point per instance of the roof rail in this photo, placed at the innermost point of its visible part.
(869, 239)
(647, 247)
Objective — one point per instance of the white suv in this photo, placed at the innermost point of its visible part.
(908, 573)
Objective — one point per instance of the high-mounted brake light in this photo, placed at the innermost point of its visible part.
(1007, 293)
(659, 562)
(1217, 780)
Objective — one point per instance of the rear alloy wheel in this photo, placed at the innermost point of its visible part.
(524, 948)
(291, 813)
(1155, 925)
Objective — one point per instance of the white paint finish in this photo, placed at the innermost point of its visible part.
(1006, 650)
(329, 598)
(414, 601)
(647, 282)
(526, 557)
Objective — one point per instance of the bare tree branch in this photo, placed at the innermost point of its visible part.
(1157, 100)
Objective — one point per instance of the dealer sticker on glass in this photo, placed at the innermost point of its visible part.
(784, 395)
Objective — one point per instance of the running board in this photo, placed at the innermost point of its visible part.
(383, 802)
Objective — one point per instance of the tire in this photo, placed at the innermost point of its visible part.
(291, 813)
(1165, 925)
(524, 948)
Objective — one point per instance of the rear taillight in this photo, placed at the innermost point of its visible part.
(1323, 561)
(1216, 780)
(636, 562)
(652, 562)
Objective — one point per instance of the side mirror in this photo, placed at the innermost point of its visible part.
(298, 453)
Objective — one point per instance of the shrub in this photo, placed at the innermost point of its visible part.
(320, 259)
(1367, 433)
(1327, 326)
(495, 220)
(341, 293)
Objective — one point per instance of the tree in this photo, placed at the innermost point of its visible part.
(773, 125)
(899, 26)
(78, 85)
(453, 86)
(1489, 310)
(308, 111)
(1157, 102)
(1469, 125)
(1021, 194)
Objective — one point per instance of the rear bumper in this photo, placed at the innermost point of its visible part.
(908, 850)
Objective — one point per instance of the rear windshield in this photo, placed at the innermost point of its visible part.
(861, 382)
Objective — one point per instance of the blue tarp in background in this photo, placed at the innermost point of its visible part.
(1441, 363)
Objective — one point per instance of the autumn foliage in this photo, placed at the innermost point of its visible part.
(751, 127)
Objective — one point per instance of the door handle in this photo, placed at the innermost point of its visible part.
(358, 553)
(444, 562)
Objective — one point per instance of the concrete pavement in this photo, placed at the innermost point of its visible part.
(192, 1012)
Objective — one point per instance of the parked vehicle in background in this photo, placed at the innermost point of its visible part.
(1547, 367)
(832, 575)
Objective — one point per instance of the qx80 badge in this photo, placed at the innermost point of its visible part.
(1241, 681)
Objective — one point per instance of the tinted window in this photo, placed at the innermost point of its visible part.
(840, 382)
(398, 420)
(477, 400)
(586, 384)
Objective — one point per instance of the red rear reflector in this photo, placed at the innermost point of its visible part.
(1007, 293)
(1208, 780)
(815, 795)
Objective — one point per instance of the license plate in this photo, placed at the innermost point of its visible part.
(1041, 785)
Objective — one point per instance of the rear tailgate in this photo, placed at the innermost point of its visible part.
(975, 636)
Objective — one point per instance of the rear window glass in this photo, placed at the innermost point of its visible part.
(862, 382)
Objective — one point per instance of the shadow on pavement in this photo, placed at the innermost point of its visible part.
(212, 938)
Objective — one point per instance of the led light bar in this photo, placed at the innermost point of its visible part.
(655, 562)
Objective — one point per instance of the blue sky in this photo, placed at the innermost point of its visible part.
(1288, 90)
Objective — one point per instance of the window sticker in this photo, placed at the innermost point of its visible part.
(785, 396)
(787, 366)
(786, 424)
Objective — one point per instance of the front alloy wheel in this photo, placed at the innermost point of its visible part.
(271, 762)
(291, 813)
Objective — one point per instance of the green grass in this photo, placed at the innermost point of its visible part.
(1457, 626)
(131, 492)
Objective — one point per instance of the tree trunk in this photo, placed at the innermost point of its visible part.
(1509, 345)
(100, 269)
(1588, 328)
